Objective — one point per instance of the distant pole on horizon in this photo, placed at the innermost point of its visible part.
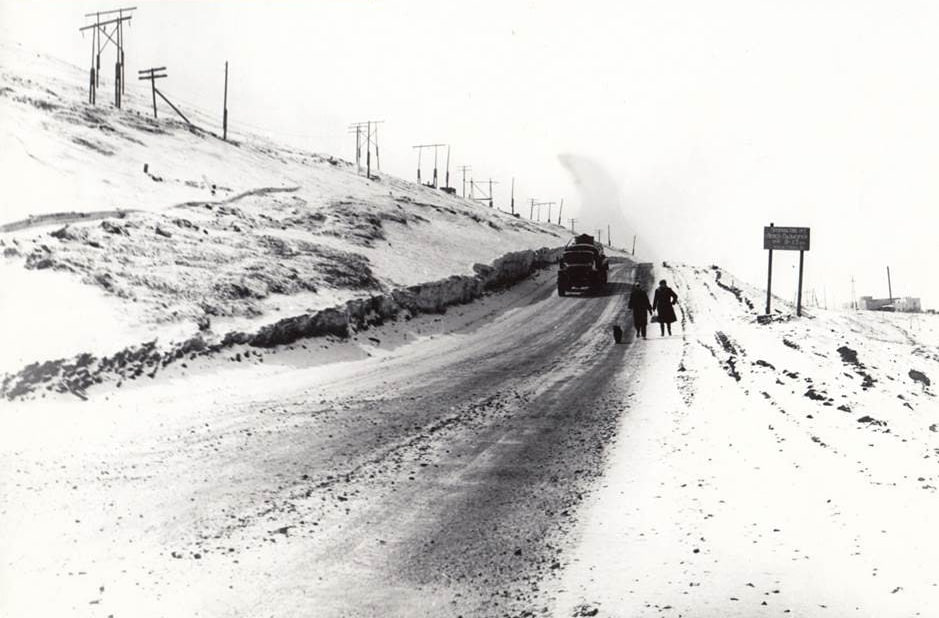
(490, 193)
(512, 198)
(889, 286)
(560, 210)
(609, 243)
(599, 236)
(634, 244)
(531, 213)
(572, 220)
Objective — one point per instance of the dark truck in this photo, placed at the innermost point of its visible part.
(583, 266)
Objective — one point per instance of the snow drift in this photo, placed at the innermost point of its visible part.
(76, 375)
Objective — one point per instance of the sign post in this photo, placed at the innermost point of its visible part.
(769, 274)
(785, 239)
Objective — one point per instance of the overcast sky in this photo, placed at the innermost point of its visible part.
(692, 124)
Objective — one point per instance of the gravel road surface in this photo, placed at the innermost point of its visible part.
(439, 475)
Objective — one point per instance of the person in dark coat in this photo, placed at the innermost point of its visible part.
(639, 303)
(665, 297)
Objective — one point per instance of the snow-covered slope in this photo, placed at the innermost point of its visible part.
(132, 228)
(770, 466)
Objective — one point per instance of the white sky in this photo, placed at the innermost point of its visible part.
(709, 119)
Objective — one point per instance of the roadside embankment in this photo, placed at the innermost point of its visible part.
(77, 374)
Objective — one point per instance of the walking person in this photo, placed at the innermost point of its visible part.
(662, 303)
(639, 304)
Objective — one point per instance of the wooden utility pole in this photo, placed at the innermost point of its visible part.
(539, 205)
(599, 236)
(572, 220)
(531, 212)
(420, 148)
(368, 151)
(560, 210)
(120, 47)
(102, 33)
(889, 286)
(373, 140)
(152, 75)
(512, 198)
(485, 198)
(91, 88)
(117, 85)
(609, 243)
(368, 138)
(447, 183)
(464, 169)
(634, 244)
(358, 148)
(225, 107)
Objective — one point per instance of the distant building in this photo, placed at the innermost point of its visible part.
(906, 304)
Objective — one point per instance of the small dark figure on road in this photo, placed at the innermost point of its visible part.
(665, 297)
(639, 303)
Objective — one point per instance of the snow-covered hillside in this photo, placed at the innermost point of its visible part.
(131, 228)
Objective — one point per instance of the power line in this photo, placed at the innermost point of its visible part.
(420, 149)
(152, 75)
(464, 169)
(538, 205)
(102, 33)
(369, 138)
(487, 197)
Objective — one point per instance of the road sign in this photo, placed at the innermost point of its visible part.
(786, 238)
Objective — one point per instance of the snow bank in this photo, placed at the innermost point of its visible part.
(76, 375)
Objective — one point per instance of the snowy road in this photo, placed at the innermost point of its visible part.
(502, 459)
(436, 478)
